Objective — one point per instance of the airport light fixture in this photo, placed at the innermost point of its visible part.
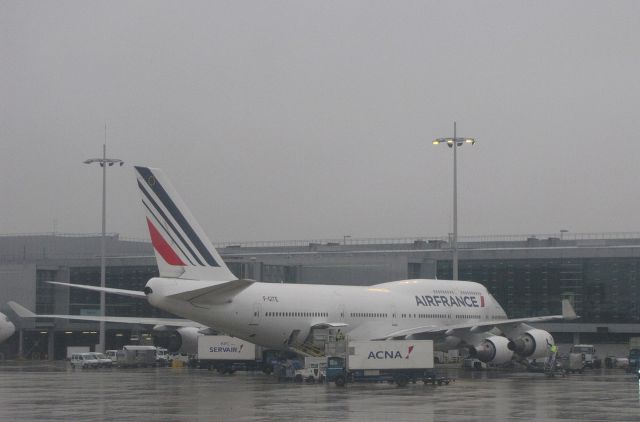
(455, 143)
(104, 162)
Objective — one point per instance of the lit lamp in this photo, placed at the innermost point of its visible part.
(454, 143)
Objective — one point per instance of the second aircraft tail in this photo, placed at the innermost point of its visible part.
(182, 248)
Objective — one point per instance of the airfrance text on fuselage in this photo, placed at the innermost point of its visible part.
(450, 301)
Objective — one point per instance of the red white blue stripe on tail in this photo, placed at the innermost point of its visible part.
(181, 246)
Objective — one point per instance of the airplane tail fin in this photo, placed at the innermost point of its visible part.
(182, 248)
(568, 312)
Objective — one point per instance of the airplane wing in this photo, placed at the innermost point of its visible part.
(168, 322)
(567, 314)
(123, 292)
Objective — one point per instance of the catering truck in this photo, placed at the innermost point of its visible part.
(226, 354)
(397, 361)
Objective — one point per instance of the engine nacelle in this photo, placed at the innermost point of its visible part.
(492, 350)
(180, 340)
(531, 344)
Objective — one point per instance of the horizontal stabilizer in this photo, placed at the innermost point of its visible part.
(167, 322)
(21, 310)
(215, 294)
(122, 292)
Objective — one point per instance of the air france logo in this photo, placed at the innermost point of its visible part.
(450, 301)
(389, 354)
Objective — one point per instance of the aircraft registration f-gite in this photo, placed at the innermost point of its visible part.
(195, 283)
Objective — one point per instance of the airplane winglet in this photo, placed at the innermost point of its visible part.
(567, 310)
(21, 310)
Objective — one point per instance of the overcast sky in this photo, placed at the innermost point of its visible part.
(294, 119)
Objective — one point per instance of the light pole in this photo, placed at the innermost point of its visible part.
(454, 143)
(104, 162)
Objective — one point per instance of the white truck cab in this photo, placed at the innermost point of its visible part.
(315, 370)
(112, 354)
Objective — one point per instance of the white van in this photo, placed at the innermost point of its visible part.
(103, 360)
(84, 360)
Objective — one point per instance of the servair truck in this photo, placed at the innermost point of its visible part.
(398, 361)
(226, 354)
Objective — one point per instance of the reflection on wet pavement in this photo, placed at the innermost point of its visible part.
(52, 391)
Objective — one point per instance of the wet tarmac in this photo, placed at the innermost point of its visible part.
(53, 391)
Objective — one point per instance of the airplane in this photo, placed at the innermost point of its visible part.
(194, 283)
(6, 327)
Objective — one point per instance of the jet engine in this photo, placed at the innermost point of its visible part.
(492, 350)
(532, 343)
(179, 340)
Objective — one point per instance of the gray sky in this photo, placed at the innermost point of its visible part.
(296, 120)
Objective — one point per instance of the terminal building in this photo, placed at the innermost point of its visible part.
(528, 275)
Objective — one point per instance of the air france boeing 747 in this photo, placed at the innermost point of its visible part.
(195, 283)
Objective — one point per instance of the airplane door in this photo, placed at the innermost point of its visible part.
(394, 316)
(343, 312)
(255, 317)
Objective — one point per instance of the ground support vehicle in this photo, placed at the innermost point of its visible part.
(550, 369)
(589, 358)
(338, 373)
(226, 354)
(397, 361)
(84, 360)
(634, 355)
(574, 363)
(136, 356)
(163, 358)
(103, 360)
(315, 370)
(634, 360)
(286, 369)
(271, 360)
(112, 354)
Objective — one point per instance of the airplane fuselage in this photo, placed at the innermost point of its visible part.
(275, 315)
